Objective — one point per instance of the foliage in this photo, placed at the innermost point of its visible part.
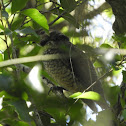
(21, 23)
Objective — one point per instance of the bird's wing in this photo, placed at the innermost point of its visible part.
(84, 70)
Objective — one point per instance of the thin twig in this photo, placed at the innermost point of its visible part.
(8, 50)
(12, 44)
(3, 39)
(40, 4)
(51, 23)
(94, 83)
(8, 3)
(26, 22)
(54, 2)
(23, 22)
(12, 20)
(43, 12)
(98, 80)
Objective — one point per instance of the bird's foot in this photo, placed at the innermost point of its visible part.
(56, 89)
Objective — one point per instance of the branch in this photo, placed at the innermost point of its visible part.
(29, 59)
(51, 23)
(104, 75)
(8, 50)
(97, 11)
(119, 10)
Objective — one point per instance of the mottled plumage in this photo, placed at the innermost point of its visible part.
(73, 70)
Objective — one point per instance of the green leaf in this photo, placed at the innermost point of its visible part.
(116, 71)
(112, 93)
(98, 64)
(5, 83)
(6, 112)
(9, 116)
(75, 95)
(18, 5)
(67, 17)
(1, 27)
(6, 57)
(98, 39)
(123, 103)
(21, 123)
(120, 38)
(68, 5)
(1, 57)
(21, 109)
(39, 18)
(4, 14)
(7, 31)
(124, 76)
(87, 95)
(105, 45)
(27, 30)
(17, 22)
(57, 114)
(124, 114)
(108, 12)
(6, 95)
(71, 20)
(25, 96)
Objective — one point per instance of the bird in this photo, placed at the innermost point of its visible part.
(73, 70)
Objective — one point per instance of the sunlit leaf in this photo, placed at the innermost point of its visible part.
(116, 71)
(97, 64)
(36, 16)
(6, 95)
(87, 95)
(106, 46)
(75, 95)
(108, 12)
(1, 57)
(1, 27)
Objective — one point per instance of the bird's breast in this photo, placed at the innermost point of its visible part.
(61, 74)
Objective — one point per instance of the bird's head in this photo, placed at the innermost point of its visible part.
(54, 38)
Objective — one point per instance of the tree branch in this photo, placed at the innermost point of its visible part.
(119, 10)
(29, 59)
(97, 11)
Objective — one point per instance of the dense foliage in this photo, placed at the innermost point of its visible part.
(25, 98)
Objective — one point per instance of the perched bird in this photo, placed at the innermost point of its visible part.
(73, 70)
